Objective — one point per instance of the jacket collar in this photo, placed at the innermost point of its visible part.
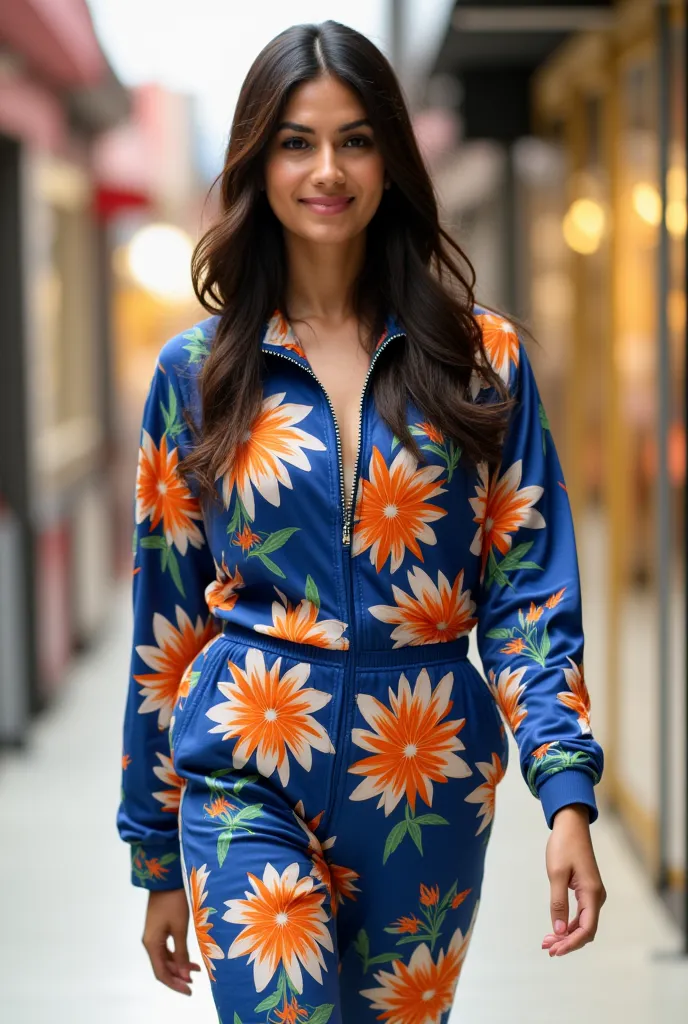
(278, 336)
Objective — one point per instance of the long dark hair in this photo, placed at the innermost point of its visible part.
(412, 267)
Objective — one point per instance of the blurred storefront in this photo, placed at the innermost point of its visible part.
(57, 93)
(568, 189)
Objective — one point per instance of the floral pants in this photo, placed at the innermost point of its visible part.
(335, 813)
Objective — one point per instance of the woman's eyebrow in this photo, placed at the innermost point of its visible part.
(293, 126)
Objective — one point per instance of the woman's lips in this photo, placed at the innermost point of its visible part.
(328, 204)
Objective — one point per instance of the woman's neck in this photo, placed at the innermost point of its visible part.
(322, 278)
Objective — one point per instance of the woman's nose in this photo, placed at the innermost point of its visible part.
(327, 170)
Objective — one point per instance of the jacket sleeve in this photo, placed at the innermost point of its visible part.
(530, 632)
(172, 567)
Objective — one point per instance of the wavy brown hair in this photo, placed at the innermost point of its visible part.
(412, 267)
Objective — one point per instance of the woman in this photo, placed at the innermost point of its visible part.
(301, 702)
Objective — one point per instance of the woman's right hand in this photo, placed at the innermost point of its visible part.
(168, 916)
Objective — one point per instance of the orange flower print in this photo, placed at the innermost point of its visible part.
(222, 592)
(161, 494)
(280, 333)
(284, 923)
(541, 751)
(291, 1013)
(535, 613)
(407, 925)
(217, 806)
(270, 441)
(126, 761)
(393, 509)
(485, 794)
(459, 898)
(507, 691)
(515, 646)
(300, 625)
(579, 698)
(176, 648)
(501, 508)
(422, 991)
(429, 897)
(209, 949)
(337, 880)
(245, 539)
(169, 798)
(155, 868)
(435, 614)
(554, 600)
(432, 433)
(271, 715)
(411, 745)
(501, 345)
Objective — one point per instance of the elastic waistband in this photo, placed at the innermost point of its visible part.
(398, 657)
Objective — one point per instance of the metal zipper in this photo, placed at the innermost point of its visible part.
(347, 509)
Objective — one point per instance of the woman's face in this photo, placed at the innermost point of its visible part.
(324, 176)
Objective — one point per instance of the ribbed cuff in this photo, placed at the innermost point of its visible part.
(156, 866)
(569, 786)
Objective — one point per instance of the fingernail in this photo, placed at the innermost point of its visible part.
(559, 927)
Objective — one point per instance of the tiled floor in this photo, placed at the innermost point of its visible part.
(70, 924)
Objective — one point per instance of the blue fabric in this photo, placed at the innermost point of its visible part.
(307, 747)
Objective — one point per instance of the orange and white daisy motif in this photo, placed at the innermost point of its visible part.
(502, 348)
(301, 625)
(485, 794)
(284, 923)
(209, 949)
(411, 744)
(221, 594)
(176, 648)
(337, 880)
(162, 495)
(435, 614)
(578, 699)
(501, 508)
(280, 333)
(169, 798)
(271, 715)
(271, 440)
(393, 509)
(422, 991)
(507, 690)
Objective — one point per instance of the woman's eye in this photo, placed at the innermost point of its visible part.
(360, 140)
(287, 144)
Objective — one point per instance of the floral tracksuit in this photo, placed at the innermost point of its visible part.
(307, 748)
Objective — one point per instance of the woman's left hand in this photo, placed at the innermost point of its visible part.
(571, 864)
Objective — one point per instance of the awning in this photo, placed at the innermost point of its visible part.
(494, 46)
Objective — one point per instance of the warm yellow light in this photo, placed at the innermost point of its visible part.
(676, 217)
(159, 259)
(676, 182)
(647, 203)
(583, 226)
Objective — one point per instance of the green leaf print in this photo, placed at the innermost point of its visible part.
(269, 564)
(172, 425)
(544, 423)
(134, 541)
(237, 1018)
(411, 825)
(243, 781)
(197, 347)
(274, 541)
(393, 839)
(312, 594)
(385, 958)
(321, 1014)
(168, 559)
(513, 560)
(223, 847)
(269, 1002)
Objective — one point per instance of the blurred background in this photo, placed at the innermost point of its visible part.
(556, 134)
